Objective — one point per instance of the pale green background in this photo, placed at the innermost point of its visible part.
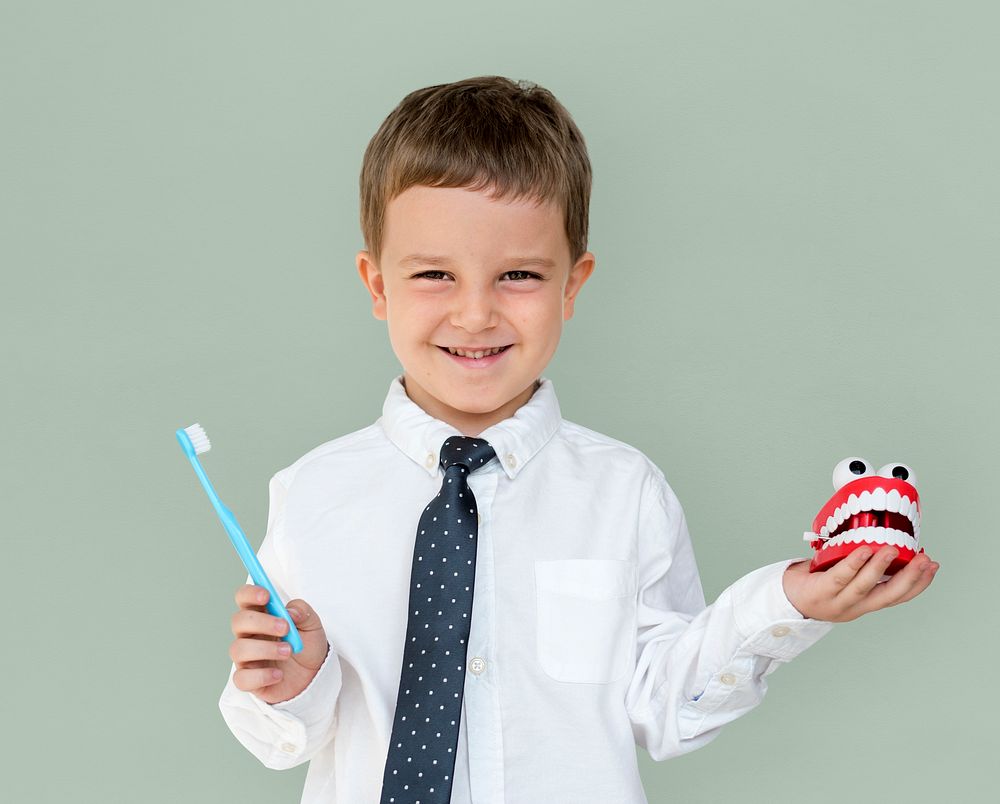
(794, 213)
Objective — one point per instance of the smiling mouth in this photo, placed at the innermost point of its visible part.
(475, 355)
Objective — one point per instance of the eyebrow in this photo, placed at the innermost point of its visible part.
(431, 259)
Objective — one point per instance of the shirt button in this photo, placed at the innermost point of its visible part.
(477, 665)
(511, 460)
(429, 460)
(727, 678)
(780, 630)
(289, 748)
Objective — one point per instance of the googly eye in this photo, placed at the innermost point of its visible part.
(851, 469)
(900, 471)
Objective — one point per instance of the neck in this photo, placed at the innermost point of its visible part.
(468, 423)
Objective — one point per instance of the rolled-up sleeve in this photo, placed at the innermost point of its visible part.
(289, 733)
(699, 667)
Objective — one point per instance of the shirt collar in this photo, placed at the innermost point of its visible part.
(516, 439)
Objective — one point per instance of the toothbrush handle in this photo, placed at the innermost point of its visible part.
(274, 605)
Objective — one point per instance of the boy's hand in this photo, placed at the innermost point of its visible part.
(851, 587)
(265, 665)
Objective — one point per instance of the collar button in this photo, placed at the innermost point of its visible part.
(429, 460)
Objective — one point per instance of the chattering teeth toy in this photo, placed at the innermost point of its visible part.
(870, 508)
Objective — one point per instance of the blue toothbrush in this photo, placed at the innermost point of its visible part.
(194, 441)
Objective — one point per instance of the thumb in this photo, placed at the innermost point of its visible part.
(314, 643)
(303, 615)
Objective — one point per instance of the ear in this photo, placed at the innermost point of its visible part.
(578, 274)
(372, 277)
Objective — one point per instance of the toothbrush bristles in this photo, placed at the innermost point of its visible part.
(199, 438)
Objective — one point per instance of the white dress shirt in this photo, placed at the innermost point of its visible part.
(589, 627)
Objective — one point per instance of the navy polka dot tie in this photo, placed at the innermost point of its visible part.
(421, 760)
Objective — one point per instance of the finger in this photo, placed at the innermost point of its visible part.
(845, 570)
(925, 571)
(249, 622)
(243, 651)
(250, 679)
(249, 596)
(904, 585)
(869, 575)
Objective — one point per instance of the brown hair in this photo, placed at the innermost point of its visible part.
(478, 133)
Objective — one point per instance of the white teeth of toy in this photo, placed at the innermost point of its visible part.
(912, 513)
(892, 501)
(841, 514)
(865, 501)
(831, 524)
(878, 500)
(854, 504)
(823, 532)
(904, 505)
(875, 535)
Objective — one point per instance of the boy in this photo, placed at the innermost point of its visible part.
(587, 631)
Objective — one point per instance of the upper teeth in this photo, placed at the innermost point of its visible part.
(476, 355)
(877, 500)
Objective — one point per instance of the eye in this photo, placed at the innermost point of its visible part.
(850, 469)
(900, 471)
(526, 274)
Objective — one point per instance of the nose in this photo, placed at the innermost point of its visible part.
(474, 308)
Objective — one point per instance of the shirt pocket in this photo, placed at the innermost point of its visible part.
(584, 610)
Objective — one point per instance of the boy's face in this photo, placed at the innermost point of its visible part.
(490, 287)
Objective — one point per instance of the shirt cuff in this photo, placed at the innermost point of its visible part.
(769, 623)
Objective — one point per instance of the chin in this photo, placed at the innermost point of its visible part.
(477, 405)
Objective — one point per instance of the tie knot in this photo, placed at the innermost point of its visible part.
(471, 452)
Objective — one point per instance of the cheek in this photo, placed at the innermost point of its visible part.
(402, 332)
(410, 320)
(537, 309)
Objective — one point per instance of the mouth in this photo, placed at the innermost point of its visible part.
(477, 359)
(874, 510)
